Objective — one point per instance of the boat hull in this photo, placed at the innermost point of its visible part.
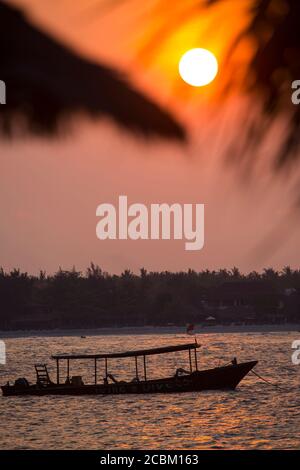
(219, 378)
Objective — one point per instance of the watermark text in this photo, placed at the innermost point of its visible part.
(2, 353)
(156, 222)
(296, 353)
(296, 93)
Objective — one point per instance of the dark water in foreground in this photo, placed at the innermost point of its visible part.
(255, 416)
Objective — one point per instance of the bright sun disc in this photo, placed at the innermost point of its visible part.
(198, 67)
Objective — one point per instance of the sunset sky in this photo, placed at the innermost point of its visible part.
(50, 188)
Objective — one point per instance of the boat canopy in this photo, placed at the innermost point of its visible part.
(142, 352)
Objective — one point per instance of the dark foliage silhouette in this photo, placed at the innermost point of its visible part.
(273, 29)
(47, 83)
(70, 299)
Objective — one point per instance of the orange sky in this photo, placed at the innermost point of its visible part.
(50, 189)
(145, 42)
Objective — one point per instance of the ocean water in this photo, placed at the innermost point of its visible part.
(256, 415)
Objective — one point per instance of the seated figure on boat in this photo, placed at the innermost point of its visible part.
(135, 380)
(113, 379)
(180, 372)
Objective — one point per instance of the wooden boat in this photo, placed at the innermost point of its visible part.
(193, 380)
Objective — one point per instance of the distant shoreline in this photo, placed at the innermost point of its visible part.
(153, 330)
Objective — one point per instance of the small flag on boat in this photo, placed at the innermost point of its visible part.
(190, 329)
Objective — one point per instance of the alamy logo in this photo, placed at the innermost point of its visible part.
(296, 353)
(2, 353)
(2, 92)
(160, 221)
(296, 93)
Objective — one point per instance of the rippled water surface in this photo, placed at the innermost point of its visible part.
(255, 416)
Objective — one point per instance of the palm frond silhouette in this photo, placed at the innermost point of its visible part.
(273, 29)
(46, 83)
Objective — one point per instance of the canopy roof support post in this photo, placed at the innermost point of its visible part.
(190, 359)
(136, 368)
(196, 362)
(145, 369)
(106, 368)
(57, 371)
(95, 371)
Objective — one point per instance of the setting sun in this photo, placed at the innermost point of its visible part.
(198, 67)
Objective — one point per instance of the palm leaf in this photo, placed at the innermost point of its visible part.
(47, 83)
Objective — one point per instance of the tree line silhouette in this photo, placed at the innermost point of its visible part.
(95, 299)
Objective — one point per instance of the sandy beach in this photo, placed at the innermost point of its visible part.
(155, 330)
